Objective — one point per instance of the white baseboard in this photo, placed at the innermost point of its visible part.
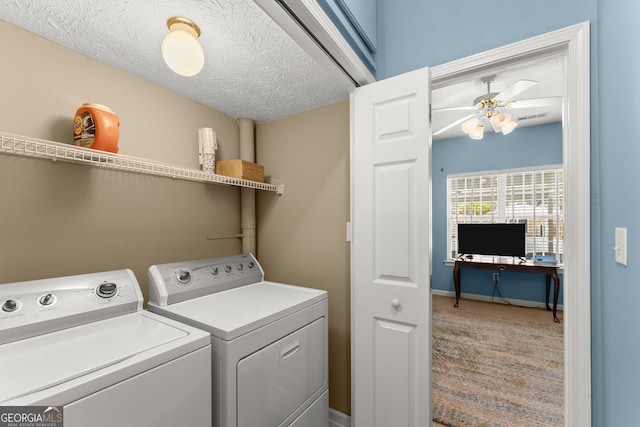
(338, 419)
(487, 298)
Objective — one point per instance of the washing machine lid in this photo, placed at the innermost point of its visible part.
(235, 312)
(46, 361)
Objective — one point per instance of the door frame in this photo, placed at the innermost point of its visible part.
(574, 42)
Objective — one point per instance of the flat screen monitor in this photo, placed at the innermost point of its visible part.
(492, 239)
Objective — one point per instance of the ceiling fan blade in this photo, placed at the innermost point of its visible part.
(469, 108)
(515, 89)
(552, 101)
(452, 124)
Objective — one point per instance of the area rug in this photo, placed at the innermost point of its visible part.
(495, 371)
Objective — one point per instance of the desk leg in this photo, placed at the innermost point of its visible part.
(556, 290)
(456, 282)
(548, 278)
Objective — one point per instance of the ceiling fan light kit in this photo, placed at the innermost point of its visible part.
(491, 109)
(180, 48)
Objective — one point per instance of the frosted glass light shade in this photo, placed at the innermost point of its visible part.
(470, 125)
(477, 133)
(501, 119)
(509, 127)
(181, 50)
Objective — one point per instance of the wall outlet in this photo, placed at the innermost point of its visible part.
(496, 277)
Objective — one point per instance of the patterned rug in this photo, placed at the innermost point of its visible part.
(493, 371)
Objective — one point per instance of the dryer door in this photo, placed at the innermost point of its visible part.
(278, 379)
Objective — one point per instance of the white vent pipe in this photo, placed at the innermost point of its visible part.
(248, 195)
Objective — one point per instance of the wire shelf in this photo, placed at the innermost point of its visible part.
(19, 145)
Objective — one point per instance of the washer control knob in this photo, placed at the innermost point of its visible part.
(10, 305)
(227, 269)
(215, 271)
(251, 265)
(47, 299)
(183, 276)
(240, 267)
(107, 290)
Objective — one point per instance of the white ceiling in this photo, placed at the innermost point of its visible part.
(252, 67)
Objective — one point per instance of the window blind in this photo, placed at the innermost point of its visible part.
(535, 197)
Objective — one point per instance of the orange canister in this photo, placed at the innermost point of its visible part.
(96, 126)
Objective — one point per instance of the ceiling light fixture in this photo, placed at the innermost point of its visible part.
(180, 48)
(489, 109)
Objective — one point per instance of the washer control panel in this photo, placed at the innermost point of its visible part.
(41, 306)
(175, 282)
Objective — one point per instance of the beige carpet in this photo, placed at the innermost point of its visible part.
(496, 365)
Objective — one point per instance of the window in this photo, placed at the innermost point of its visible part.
(519, 195)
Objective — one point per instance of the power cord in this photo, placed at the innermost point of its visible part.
(496, 290)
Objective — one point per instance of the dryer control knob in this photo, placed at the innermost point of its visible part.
(47, 299)
(10, 305)
(240, 267)
(106, 290)
(183, 276)
(227, 269)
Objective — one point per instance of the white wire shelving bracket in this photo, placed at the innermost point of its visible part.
(39, 148)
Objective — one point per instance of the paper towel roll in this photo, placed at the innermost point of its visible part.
(207, 145)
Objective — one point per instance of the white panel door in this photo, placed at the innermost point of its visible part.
(390, 250)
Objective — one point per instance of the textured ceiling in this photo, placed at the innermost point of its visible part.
(252, 67)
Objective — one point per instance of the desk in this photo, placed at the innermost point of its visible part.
(549, 270)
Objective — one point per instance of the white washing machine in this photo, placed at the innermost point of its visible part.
(268, 340)
(83, 344)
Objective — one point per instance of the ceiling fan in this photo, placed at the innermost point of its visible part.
(492, 109)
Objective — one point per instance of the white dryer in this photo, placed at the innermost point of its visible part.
(268, 340)
(83, 344)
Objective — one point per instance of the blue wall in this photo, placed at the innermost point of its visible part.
(616, 288)
(416, 33)
(529, 146)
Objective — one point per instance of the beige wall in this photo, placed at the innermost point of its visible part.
(301, 234)
(58, 218)
(61, 219)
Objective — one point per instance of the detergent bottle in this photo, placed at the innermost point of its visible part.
(96, 126)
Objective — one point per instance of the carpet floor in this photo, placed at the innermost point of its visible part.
(496, 365)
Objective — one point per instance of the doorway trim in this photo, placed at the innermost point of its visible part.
(574, 42)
